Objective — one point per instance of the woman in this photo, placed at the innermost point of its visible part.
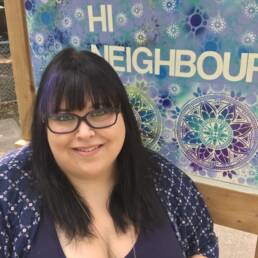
(86, 186)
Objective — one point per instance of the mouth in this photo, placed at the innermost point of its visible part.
(87, 151)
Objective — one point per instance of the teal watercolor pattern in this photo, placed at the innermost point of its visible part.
(207, 128)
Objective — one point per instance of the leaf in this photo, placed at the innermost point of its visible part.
(222, 156)
(178, 109)
(194, 122)
(204, 153)
(241, 129)
(238, 146)
(207, 111)
(228, 113)
(191, 138)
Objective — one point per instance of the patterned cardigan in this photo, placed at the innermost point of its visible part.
(20, 208)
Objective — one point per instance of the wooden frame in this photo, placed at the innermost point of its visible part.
(229, 207)
(18, 38)
(232, 208)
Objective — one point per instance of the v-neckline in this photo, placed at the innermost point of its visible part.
(62, 254)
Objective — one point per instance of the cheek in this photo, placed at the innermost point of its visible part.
(57, 143)
(51, 140)
(115, 135)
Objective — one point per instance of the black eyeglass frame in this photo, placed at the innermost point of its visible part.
(116, 110)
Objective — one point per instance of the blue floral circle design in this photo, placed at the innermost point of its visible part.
(147, 116)
(217, 132)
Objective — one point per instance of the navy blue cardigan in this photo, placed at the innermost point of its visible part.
(20, 208)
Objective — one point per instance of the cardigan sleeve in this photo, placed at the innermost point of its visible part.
(4, 237)
(186, 210)
(5, 227)
(19, 214)
(196, 228)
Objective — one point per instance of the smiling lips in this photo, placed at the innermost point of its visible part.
(88, 151)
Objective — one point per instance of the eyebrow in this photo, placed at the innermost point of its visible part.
(92, 106)
(63, 110)
(69, 110)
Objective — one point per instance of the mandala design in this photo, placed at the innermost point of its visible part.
(251, 10)
(174, 89)
(147, 116)
(196, 21)
(29, 5)
(169, 5)
(173, 31)
(215, 135)
(121, 19)
(217, 132)
(78, 14)
(140, 37)
(217, 24)
(75, 41)
(58, 46)
(39, 38)
(137, 10)
(67, 22)
(248, 39)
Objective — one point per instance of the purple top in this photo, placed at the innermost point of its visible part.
(160, 242)
(21, 216)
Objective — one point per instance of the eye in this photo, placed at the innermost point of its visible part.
(100, 112)
(62, 117)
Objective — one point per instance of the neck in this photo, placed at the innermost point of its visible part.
(95, 191)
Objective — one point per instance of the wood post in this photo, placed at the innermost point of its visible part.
(231, 208)
(21, 64)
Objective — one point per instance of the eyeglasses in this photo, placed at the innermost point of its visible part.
(65, 122)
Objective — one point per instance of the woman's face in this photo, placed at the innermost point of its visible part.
(86, 152)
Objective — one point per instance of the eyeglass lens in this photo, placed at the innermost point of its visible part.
(64, 122)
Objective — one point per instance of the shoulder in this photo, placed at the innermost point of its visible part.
(16, 159)
(168, 176)
(175, 189)
(185, 208)
(19, 206)
(15, 171)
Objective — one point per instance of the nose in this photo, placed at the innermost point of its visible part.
(84, 130)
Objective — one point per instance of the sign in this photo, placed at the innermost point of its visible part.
(190, 69)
